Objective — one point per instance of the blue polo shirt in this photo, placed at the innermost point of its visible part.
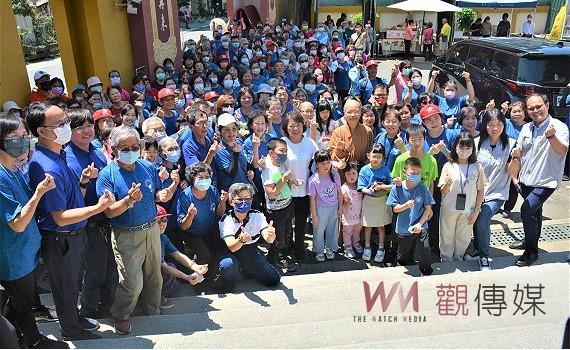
(451, 108)
(66, 195)
(205, 218)
(341, 79)
(166, 247)
(513, 130)
(391, 152)
(222, 162)
(195, 152)
(367, 176)
(18, 250)
(448, 136)
(170, 123)
(118, 181)
(416, 92)
(366, 86)
(263, 150)
(77, 160)
(409, 217)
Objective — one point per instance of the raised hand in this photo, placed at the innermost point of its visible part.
(255, 141)
(270, 230)
(224, 196)
(106, 200)
(192, 211)
(250, 175)
(244, 235)
(410, 204)
(175, 176)
(135, 192)
(398, 141)
(434, 74)
(466, 75)
(237, 148)
(287, 176)
(516, 152)
(47, 184)
(91, 172)
(215, 147)
(551, 131)
(163, 174)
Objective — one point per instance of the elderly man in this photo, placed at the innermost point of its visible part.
(308, 112)
(62, 215)
(154, 127)
(539, 156)
(135, 231)
(199, 147)
(351, 142)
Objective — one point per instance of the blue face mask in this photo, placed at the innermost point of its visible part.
(97, 106)
(180, 104)
(203, 184)
(242, 207)
(140, 88)
(414, 178)
(281, 158)
(160, 76)
(173, 156)
(129, 157)
(16, 148)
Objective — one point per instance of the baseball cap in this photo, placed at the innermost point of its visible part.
(226, 119)
(161, 212)
(102, 113)
(429, 110)
(223, 58)
(39, 74)
(371, 63)
(338, 49)
(94, 80)
(9, 105)
(78, 87)
(269, 42)
(210, 95)
(165, 92)
(265, 89)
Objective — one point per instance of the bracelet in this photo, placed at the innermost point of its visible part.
(517, 158)
(550, 137)
(83, 185)
(467, 81)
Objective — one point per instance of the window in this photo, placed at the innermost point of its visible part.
(458, 54)
(480, 57)
(551, 71)
(504, 65)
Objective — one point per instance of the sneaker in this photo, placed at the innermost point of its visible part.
(44, 313)
(367, 254)
(320, 257)
(281, 264)
(123, 327)
(166, 303)
(47, 343)
(358, 248)
(471, 256)
(505, 214)
(82, 335)
(330, 254)
(484, 264)
(349, 253)
(88, 324)
(291, 265)
(379, 255)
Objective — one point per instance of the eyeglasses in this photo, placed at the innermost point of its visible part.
(228, 105)
(163, 219)
(241, 200)
(535, 108)
(87, 127)
(132, 149)
(201, 124)
(60, 125)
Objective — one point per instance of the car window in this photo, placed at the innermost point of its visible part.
(504, 65)
(550, 71)
(457, 54)
(480, 57)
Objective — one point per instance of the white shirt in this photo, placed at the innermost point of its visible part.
(494, 163)
(541, 166)
(470, 178)
(298, 158)
(528, 28)
(254, 223)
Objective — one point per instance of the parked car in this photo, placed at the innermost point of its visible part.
(509, 69)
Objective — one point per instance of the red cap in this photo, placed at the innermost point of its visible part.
(210, 95)
(372, 63)
(223, 58)
(269, 42)
(429, 110)
(165, 93)
(102, 113)
(161, 212)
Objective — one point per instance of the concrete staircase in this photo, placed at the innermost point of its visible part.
(320, 309)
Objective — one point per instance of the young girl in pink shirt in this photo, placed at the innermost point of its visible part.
(351, 207)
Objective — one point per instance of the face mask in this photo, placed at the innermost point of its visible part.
(160, 76)
(414, 178)
(45, 85)
(169, 67)
(206, 59)
(286, 63)
(171, 86)
(63, 134)
(173, 156)
(310, 88)
(281, 158)
(450, 95)
(225, 44)
(305, 65)
(262, 64)
(57, 90)
(236, 84)
(258, 53)
(192, 47)
(16, 148)
(203, 184)
(207, 88)
(407, 71)
(97, 88)
(214, 80)
(199, 86)
(180, 104)
(298, 45)
(129, 157)
(305, 27)
(160, 135)
(115, 81)
(417, 81)
(228, 84)
(463, 153)
(242, 207)
(278, 30)
(256, 71)
(340, 55)
(282, 49)
(314, 52)
(235, 45)
(324, 50)
(229, 110)
(97, 106)
(245, 61)
(140, 88)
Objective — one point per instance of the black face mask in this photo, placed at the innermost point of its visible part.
(45, 85)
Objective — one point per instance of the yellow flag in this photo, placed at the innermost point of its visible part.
(558, 25)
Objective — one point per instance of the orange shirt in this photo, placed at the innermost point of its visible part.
(38, 96)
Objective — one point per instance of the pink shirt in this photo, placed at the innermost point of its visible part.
(401, 83)
(351, 212)
(408, 35)
(428, 36)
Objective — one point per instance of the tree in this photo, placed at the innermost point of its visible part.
(465, 18)
(21, 7)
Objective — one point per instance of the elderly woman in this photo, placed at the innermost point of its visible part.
(135, 231)
(19, 232)
(300, 151)
(241, 228)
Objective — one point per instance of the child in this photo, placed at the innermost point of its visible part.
(326, 202)
(351, 207)
(374, 181)
(169, 271)
(276, 177)
(150, 150)
(462, 185)
(412, 201)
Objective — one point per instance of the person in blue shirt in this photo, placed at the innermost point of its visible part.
(140, 87)
(414, 89)
(412, 202)
(136, 234)
(340, 68)
(100, 278)
(230, 163)
(310, 86)
(199, 147)
(517, 118)
(391, 138)
(257, 77)
(167, 111)
(170, 154)
(19, 234)
(450, 104)
(62, 215)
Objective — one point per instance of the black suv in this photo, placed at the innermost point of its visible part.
(509, 69)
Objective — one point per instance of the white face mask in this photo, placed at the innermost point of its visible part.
(286, 63)
(256, 71)
(340, 55)
(304, 65)
(262, 64)
(463, 153)
(63, 134)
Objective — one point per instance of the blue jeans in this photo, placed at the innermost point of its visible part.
(253, 265)
(483, 225)
(531, 213)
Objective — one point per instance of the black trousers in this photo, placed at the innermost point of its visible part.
(407, 48)
(199, 246)
(513, 196)
(100, 277)
(419, 244)
(62, 254)
(342, 94)
(21, 301)
(433, 223)
(301, 207)
(8, 336)
(283, 223)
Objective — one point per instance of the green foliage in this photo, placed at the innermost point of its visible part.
(44, 29)
(465, 18)
(21, 7)
(357, 17)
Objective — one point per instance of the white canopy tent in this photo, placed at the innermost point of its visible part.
(425, 5)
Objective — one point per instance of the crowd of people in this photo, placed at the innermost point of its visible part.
(263, 136)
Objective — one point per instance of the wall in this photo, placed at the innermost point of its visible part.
(517, 17)
(387, 17)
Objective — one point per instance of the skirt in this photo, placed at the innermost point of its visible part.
(375, 212)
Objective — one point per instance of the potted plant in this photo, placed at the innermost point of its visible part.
(465, 18)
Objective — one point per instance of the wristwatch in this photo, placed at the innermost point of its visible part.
(128, 203)
(83, 185)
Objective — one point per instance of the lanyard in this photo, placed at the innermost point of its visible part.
(461, 182)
